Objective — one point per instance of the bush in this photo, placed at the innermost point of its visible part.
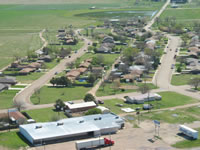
(93, 111)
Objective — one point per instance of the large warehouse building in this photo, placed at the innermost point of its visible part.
(93, 125)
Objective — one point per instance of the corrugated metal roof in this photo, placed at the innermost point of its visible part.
(80, 105)
(71, 126)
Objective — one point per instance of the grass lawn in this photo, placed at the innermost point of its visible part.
(109, 58)
(186, 16)
(188, 143)
(18, 86)
(108, 89)
(169, 99)
(12, 140)
(6, 98)
(29, 78)
(186, 115)
(51, 94)
(14, 43)
(182, 79)
(49, 113)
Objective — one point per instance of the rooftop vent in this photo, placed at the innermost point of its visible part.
(117, 117)
(38, 127)
(60, 123)
(81, 121)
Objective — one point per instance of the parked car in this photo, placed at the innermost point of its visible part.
(100, 102)
(147, 106)
(172, 66)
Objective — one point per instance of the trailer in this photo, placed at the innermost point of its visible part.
(93, 143)
(188, 131)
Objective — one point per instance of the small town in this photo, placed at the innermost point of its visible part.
(100, 75)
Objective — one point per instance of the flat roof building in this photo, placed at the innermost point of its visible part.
(140, 99)
(92, 125)
(78, 107)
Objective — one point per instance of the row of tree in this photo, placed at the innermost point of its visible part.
(61, 81)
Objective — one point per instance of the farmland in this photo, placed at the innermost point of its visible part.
(18, 36)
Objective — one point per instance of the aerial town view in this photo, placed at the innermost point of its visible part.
(99, 74)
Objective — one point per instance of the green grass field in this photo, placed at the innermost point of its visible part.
(29, 78)
(182, 79)
(109, 90)
(51, 94)
(169, 99)
(17, 36)
(13, 140)
(49, 113)
(6, 98)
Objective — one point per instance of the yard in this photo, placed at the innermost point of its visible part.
(182, 79)
(51, 94)
(29, 78)
(169, 99)
(108, 89)
(6, 98)
(12, 140)
(49, 114)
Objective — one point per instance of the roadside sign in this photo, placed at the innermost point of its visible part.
(156, 122)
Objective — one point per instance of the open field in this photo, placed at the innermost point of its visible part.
(109, 90)
(49, 113)
(14, 43)
(6, 98)
(186, 115)
(12, 140)
(51, 94)
(169, 99)
(182, 79)
(185, 16)
(18, 36)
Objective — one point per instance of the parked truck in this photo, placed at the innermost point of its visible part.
(93, 143)
(188, 131)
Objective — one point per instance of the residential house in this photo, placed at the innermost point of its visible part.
(73, 74)
(26, 71)
(34, 65)
(8, 80)
(84, 65)
(17, 117)
(3, 87)
(140, 99)
(137, 68)
(107, 45)
(82, 70)
(46, 58)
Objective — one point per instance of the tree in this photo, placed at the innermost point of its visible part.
(179, 69)
(98, 60)
(145, 89)
(64, 52)
(195, 82)
(116, 85)
(91, 79)
(89, 97)
(93, 111)
(59, 105)
(130, 54)
(53, 81)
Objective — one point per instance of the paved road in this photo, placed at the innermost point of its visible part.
(24, 96)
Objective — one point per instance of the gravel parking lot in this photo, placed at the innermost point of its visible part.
(127, 139)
